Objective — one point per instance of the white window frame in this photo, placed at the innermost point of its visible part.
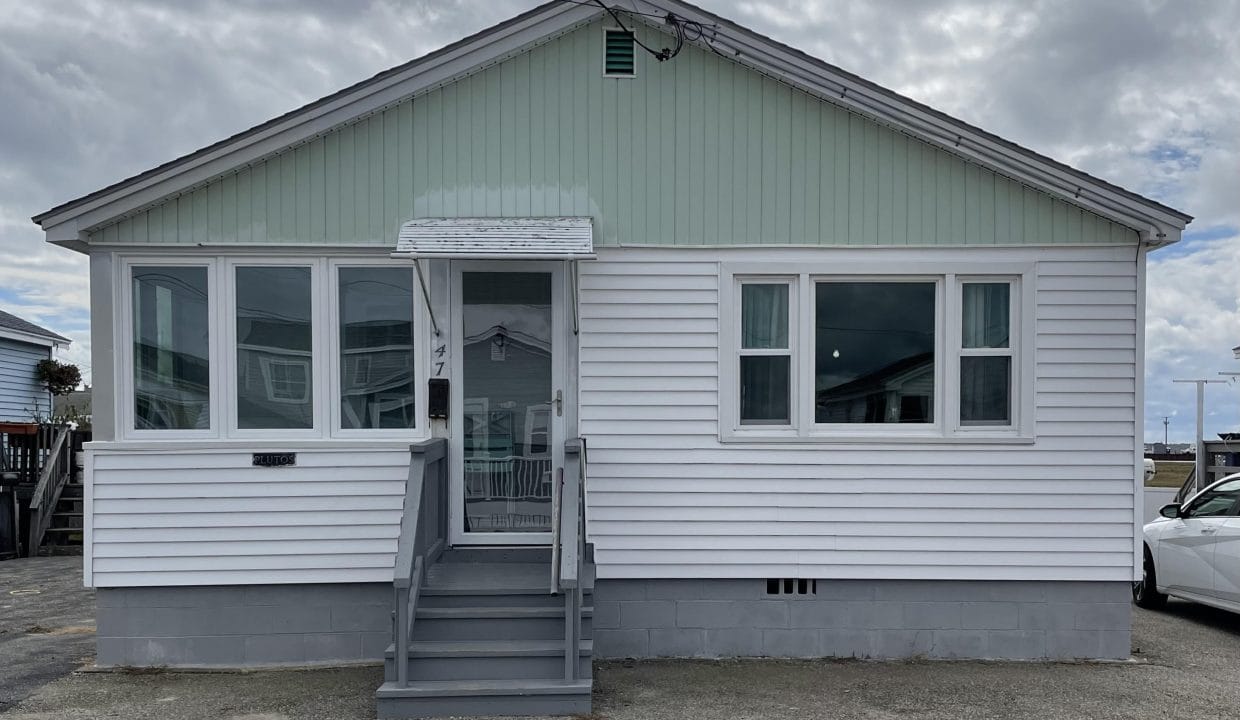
(127, 390)
(1014, 340)
(949, 279)
(791, 352)
(221, 317)
(421, 354)
(318, 381)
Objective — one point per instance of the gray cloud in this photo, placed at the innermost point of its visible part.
(1144, 94)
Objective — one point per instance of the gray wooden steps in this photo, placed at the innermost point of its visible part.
(435, 698)
(488, 639)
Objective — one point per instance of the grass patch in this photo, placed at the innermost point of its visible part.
(1170, 473)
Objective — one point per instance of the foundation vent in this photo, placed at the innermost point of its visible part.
(791, 586)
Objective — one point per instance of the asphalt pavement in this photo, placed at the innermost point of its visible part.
(1186, 661)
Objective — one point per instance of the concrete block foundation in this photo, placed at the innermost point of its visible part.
(894, 619)
(234, 626)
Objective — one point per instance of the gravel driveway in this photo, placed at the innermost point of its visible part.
(1186, 661)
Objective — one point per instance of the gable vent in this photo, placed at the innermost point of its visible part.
(619, 59)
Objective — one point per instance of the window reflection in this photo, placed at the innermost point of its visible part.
(874, 352)
(274, 342)
(376, 348)
(171, 348)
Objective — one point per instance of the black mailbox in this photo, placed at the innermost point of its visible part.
(437, 398)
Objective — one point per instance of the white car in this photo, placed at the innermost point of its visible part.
(1193, 550)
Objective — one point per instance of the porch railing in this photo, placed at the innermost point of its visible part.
(568, 548)
(56, 470)
(423, 534)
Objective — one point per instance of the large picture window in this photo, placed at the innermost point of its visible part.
(851, 354)
(171, 348)
(874, 346)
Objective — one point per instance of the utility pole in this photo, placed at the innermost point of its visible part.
(1201, 428)
(1166, 429)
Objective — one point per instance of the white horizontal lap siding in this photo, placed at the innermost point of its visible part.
(668, 499)
(209, 517)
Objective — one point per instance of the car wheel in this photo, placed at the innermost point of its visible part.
(1145, 591)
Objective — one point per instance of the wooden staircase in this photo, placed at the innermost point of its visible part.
(489, 631)
(64, 536)
(488, 638)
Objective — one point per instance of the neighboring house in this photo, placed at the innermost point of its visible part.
(23, 399)
(856, 377)
(76, 403)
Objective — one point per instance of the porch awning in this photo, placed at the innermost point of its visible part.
(565, 238)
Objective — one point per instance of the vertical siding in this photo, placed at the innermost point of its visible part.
(695, 151)
(668, 499)
(22, 398)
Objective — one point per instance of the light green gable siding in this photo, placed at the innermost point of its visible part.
(695, 151)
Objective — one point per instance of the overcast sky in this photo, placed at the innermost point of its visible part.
(1143, 93)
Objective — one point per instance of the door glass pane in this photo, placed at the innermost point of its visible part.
(985, 390)
(874, 352)
(274, 376)
(376, 348)
(764, 316)
(764, 389)
(171, 370)
(986, 315)
(507, 386)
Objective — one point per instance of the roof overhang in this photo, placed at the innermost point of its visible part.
(560, 238)
(34, 339)
(71, 223)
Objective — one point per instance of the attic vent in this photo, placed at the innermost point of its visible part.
(618, 55)
(791, 586)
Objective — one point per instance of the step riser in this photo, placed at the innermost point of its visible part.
(489, 705)
(487, 668)
(492, 628)
(498, 555)
(524, 600)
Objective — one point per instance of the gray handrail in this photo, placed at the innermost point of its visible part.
(423, 533)
(55, 472)
(568, 551)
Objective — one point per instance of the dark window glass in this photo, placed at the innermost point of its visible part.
(171, 369)
(376, 348)
(874, 352)
(765, 389)
(274, 344)
(986, 390)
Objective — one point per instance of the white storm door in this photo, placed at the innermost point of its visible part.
(508, 377)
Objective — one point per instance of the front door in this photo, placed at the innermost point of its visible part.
(508, 432)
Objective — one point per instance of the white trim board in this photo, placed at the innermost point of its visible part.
(69, 223)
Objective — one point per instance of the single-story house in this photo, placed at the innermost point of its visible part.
(839, 375)
(23, 399)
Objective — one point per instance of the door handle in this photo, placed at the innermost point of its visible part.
(559, 403)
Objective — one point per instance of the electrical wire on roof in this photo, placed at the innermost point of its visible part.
(683, 29)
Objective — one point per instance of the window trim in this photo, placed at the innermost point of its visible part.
(949, 276)
(127, 388)
(1015, 342)
(222, 355)
(791, 352)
